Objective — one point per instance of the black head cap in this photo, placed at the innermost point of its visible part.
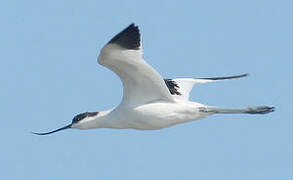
(129, 38)
(81, 116)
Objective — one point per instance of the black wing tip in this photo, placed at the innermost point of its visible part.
(129, 38)
(243, 75)
(172, 86)
(227, 77)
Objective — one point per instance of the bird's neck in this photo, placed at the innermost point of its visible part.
(102, 120)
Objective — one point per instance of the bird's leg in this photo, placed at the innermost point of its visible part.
(248, 110)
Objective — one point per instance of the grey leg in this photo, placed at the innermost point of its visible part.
(248, 110)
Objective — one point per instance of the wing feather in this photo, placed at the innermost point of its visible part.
(141, 83)
(180, 88)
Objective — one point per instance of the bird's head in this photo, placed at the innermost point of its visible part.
(79, 121)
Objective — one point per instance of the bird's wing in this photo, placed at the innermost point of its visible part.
(141, 83)
(181, 87)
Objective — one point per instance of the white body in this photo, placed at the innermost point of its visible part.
(149, 101)
(155, 115)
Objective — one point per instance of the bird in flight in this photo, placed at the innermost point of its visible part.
(149, 102)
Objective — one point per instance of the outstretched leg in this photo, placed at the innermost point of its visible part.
(248, 110)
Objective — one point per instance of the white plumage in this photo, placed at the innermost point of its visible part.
(141, 83)
(149, 101)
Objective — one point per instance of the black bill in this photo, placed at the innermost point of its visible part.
(60, 129)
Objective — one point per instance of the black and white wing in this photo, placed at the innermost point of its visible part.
(141, 83)
(180, 87)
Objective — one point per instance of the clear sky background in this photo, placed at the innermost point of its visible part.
(49, 73)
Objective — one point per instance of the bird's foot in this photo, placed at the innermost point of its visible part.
(260, 110)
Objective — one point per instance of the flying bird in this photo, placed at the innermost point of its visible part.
(149, 102)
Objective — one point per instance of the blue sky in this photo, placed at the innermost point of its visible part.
(49, 73)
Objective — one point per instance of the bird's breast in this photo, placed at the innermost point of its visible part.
(155, 115)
